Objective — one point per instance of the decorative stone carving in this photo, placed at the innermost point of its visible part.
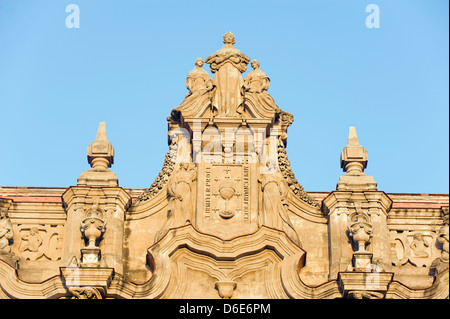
(92, 226)
(443, 240)
(360, 230)
(199, 84)
(32, 241)
(285, 119)
(362, 294)
(223, 265)
(286, 170)
(225, 288)
(224, 199)
(441, 263)
(163, 176)
(40, 242)
(257, 99)
(227, 64)
(274, 190)
(180, 191)
(226, 191)
(85, 293)
(411, 247)
(364, 285)
(419, 245)
(87, 283)
(353, 161)
(6, 234)
(100, 156)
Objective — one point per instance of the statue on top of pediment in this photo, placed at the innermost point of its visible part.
(199, 84)
(227, 64)
(256, 97)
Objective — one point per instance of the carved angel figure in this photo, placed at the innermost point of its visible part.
(199, 84)
(274, 202)
(32, 241)
(227, 64)
(256, 97)
(419, 245)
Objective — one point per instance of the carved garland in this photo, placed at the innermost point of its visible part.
(285, 168)
(163, 176)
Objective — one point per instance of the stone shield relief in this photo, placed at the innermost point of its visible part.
(225, 200)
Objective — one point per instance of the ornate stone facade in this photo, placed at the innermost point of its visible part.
(225, 218)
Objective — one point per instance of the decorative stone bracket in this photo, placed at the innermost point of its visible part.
(364, 285)
(87, 283)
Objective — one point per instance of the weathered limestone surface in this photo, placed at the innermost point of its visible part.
(226, 217)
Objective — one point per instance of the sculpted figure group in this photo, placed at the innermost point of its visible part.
(228, 94)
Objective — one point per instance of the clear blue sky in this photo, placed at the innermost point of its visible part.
(127, 63)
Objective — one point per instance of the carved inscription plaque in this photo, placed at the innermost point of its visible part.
(226, 198)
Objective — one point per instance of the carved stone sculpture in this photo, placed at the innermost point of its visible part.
(362, 294)
(354, 160)
(32, 241)
(418, 246)
(361, 231)
(442, 262)
(226, 191)
(256, 84)
(163, 176)
(92, 226)
(227, 64)
(274, 190)
(225, 288)
(6, 234)
(85, 293)
(443, 240)
(180, 192)
(100, 156)
(199, 84)
(286, 170)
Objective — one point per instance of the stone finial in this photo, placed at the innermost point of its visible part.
(354, 156)
(100, 156)
(101, 152)
(353, 161)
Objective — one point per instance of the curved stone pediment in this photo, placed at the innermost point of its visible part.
(255, 260)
